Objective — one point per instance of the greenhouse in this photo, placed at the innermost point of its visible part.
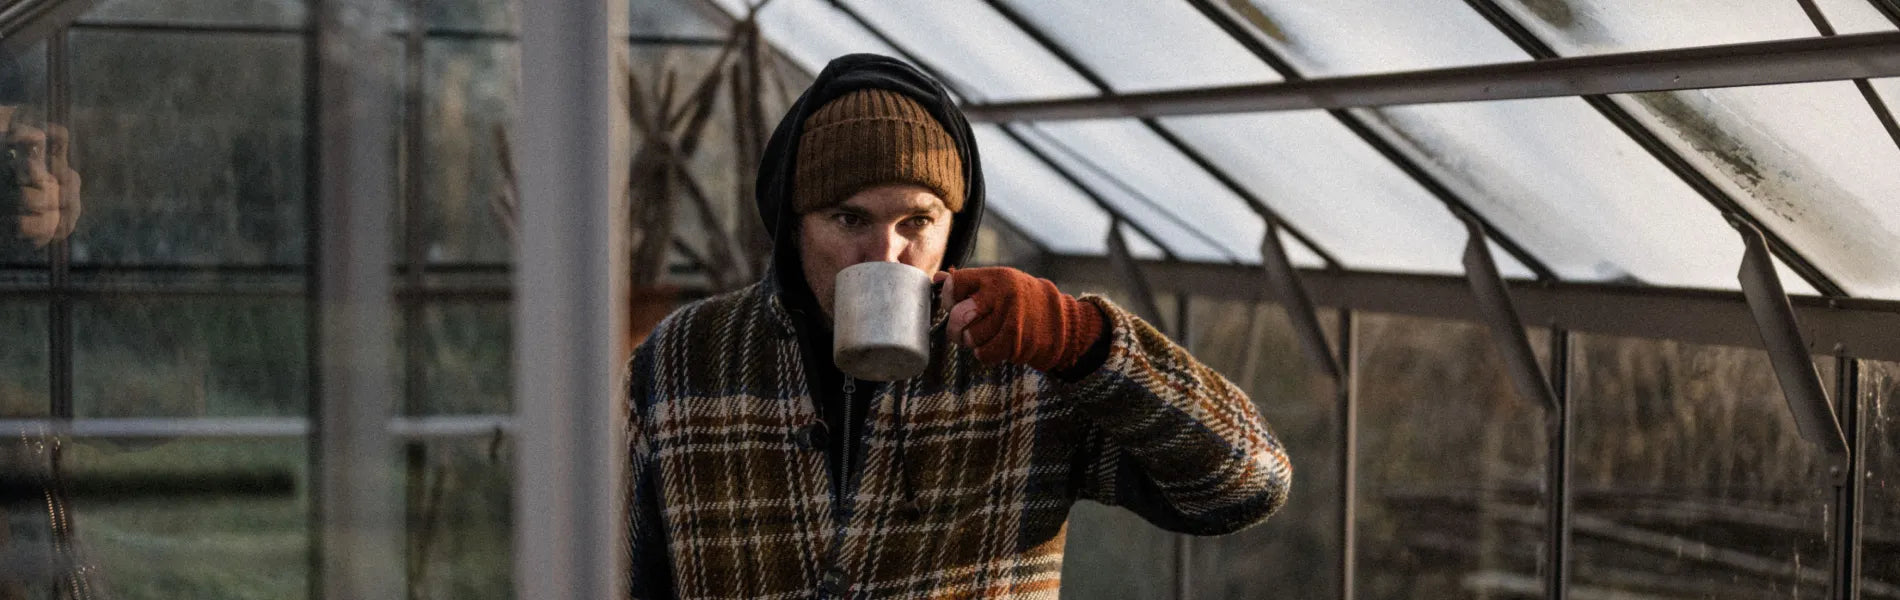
(1541, 298)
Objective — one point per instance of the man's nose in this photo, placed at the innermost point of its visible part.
(885, 246)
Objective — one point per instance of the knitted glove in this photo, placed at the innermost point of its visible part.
(1007, 315)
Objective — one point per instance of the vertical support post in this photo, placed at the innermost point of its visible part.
(60, 329)
(1557, 520)
(359, 516)
(567, 501)
(1849, 490)
(1348, 393)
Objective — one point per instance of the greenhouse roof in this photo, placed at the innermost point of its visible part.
(1371, 132)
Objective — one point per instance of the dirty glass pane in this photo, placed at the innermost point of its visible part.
(1332, 186)
(190, 518)
(1880, 510)
(1810, 162)
(1028, 193)
(465, 366)
(1690, 479)
(470, 94)
(1135, 170)
(191, 147)
(24, 361)
(459, 507)
(228, 357)
(1579, 27)
(1295, 553)
(1145, 46)
(1564, 182)
(1451, 464)
(673, 19)
(22, 120)
(1351, 37)
(488, 16)
(977, 49)
(810, 31)
(270, 13)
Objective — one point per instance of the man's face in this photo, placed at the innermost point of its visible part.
(889, 223)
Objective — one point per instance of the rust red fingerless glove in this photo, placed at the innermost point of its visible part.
(1025, 320)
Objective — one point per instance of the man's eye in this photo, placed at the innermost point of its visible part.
(917, 222)
(848, 219)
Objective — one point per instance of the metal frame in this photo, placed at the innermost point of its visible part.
(1860, 328)
(1868, 55)
(571, 459)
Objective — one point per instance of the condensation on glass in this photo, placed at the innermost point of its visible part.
(1451, 464)
(1689, 476)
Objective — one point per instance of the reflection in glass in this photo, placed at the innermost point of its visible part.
(192, 519)
(459, 506)
(466, 366)
(23, 360)
(1296, 552)
(278, 13)
(1690, 478)
(192, 148)
(470, 87)
(190, 358)
(22, 112)
(488, 16)
(1451, 464)
(1880, 509)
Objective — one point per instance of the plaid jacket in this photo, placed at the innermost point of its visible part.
(968, 475)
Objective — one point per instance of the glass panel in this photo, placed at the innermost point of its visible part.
(459, 496)
(470, 92)
(1690, 478)
(982, 53)
(1294, 553)
(278, 13)
(1146, 46)
(24, 365)
(192, 148)
(1575, 27)
(809, 31)
(465, 365)
(1155, 186)
(1584, 197)
(494, 16)
(673, 19)
(1451, 464)
(223, 357)
(1880, 510)
(1372, 216)
(1810, 161)
(22, 121)
(1332, 38)
(192, 519)
(1028, 193)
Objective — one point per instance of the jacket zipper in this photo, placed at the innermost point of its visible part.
(844, 456)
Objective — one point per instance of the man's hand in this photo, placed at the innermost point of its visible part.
(48, 187)
(1007, 315)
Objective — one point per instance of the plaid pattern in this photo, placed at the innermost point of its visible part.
(968, 475)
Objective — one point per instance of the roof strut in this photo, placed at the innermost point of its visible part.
(1286, 284)
(1131, 275)
(1500, 316)
(1781, 335)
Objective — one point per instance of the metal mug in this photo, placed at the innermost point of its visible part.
(881, 321)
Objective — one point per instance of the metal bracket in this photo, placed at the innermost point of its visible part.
(1137, 283)
(1781, 335)
(1286, 285)
(1500, 315)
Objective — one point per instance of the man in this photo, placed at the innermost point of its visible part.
(761, 471)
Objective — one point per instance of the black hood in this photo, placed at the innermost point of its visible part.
(844, 75)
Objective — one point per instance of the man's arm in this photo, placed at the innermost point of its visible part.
(1172, 440)
(1167, 437)
(651, 575)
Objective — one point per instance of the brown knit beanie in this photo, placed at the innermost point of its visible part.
(872, 137)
